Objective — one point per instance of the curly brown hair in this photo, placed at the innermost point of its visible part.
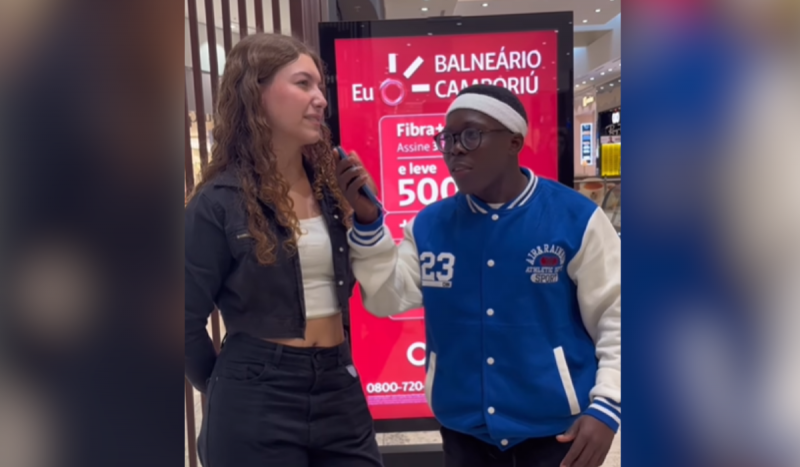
(242, 141)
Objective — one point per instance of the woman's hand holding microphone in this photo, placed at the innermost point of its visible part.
(352, 177)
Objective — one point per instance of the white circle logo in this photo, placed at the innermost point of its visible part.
(410, 354)
(395, 84)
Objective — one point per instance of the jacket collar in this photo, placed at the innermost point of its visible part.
(479, 207)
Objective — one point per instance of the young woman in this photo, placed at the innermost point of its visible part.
(266, 244)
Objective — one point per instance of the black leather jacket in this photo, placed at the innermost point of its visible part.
(221, 271)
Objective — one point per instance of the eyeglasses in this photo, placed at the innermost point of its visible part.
(470, 139)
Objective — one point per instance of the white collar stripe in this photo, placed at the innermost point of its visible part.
(535, 182)
(522, 196)
(474, 206)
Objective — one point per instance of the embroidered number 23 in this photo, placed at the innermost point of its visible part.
(429, 261)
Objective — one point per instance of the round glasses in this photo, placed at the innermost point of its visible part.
(470, 139)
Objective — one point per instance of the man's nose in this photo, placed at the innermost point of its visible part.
(457, 149)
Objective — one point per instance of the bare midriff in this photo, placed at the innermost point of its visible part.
(320, 332)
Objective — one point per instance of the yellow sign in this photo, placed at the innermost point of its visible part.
(588, 100)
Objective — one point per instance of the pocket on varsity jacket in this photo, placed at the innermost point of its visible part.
(429, 376)
(566, 381)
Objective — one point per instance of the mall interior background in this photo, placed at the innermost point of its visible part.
(213, 26)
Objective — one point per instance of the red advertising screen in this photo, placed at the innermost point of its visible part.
(392, 97)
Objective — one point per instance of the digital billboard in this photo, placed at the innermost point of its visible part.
(389, 97)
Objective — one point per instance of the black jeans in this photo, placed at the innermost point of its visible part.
(272, 405)
(462, 450)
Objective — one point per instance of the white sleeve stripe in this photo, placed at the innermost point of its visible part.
(366, 241)
(614, 405)
(362, 236)
(597, 403)
(366, 233)
(607, 412)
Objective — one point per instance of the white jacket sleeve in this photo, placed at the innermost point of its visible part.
(595, 269)
(389, 274)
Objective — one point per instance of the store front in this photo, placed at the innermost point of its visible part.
(598, 147)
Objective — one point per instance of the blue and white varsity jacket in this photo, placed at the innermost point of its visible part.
(522, 308)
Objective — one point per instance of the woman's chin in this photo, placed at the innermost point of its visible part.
(310, 138)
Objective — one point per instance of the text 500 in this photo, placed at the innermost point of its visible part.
(427, 190)
(394, 387)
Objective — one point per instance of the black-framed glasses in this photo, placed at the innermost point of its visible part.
(470, 138)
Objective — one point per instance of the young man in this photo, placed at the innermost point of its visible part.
(520, 280)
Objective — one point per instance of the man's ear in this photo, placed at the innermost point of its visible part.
(517, 142)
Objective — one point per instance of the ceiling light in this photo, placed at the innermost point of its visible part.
(485, 5)
(612, 85)
(601, 88)
(597, 10)
(602, 73)
(585, 21)
(584, 82)
(424, 9)
(592, 78)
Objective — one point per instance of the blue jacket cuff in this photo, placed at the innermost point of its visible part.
(607, 411)
(367, 235)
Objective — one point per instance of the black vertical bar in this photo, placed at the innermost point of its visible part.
(226, 26)
(276, 16)
(215, 331)
(197, 73)
(211, 31)
(259, 7)
(243, 19)
(566, 101)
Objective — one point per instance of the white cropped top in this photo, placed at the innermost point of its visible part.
(316, 264)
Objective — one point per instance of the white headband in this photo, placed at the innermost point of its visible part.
(494, 108)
